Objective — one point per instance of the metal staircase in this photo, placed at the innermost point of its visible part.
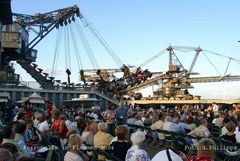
(43, 79)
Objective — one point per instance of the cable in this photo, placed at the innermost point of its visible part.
(153, 58)
(211, 63)
(101, 40)
(79, 61)
(56, 51)
(86, 46)
(236, 60)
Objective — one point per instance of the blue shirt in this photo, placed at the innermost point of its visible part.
(121, 115)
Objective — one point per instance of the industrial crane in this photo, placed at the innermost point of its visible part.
(17, 47)
(176, 81)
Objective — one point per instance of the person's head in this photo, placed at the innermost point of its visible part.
(102, 126)
(179, 144)
(138, 117)
(20, 128)
(176, 120)
(74, 142)
(55, 114)
(138, 138)
(190, 120)
(204, 122)
(29, 123)
(71, 118)
(230, 126)
(161, 116)
(12, 148)
(21, 116)
(38, 116)
(5, 155)
(121, 132)
(71, 132)
(8, 132)
(168, 119)
(205, 148)
(94, 127)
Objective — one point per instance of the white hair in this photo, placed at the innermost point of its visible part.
(102, 126)
(138, 137)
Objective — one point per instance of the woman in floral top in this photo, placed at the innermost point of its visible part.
(135, 153)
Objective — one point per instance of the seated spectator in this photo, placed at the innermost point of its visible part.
(93, 130)
(13, 149)
(202, 130)
(42, 125)
(183, 124)
(139, 121)
(147, 121)
(191, 125)
(158, 125)
(131, 119)
(168, 124)
(237, 132)
(229, 135)
(85, 133)
(220, 119)
(175, 125)
(5, 155)
(74, 153)
(80, 124)
(69, 121)
(8, 135)
(205, 150)
(175, 153)
(102, 139)
(20, 140)
(30, 134)
(120, 147)
(135, 153)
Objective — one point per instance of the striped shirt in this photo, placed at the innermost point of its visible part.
(72, 157)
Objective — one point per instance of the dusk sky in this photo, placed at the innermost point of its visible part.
(138, 29)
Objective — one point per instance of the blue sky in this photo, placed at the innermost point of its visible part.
(139, 29)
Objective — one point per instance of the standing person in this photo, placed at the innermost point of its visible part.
(135, 153)
(120, 147)
(59, 127)
(121, 113)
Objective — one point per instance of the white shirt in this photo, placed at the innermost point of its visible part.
(35, 123)
(237, 132)
(215, 108)
(168, 126)
(43, 126)
(73, 126)
(68, 122)
(72, 157)
(162, 156)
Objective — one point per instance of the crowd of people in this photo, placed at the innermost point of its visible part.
(120, 131)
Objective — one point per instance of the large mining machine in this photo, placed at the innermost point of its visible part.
(17, 46)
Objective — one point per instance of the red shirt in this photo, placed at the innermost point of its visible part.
(196, 158)
(56, 126)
